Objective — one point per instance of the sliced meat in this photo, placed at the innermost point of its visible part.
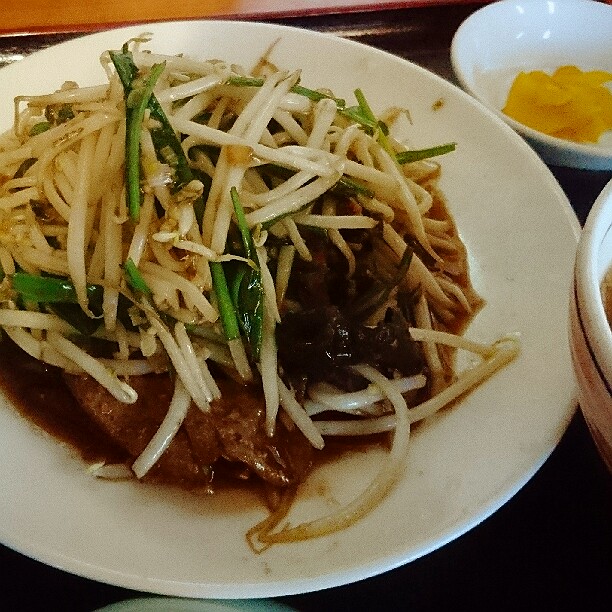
(233, 429)
(201, 430)
(281, 460)
(132, 426)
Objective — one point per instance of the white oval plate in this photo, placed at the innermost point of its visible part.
(500, 40)
(521, 235)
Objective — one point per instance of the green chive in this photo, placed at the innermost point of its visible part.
(229, 320)
(405, 157)
(134, 278)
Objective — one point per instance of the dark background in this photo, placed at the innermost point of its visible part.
(549, 548)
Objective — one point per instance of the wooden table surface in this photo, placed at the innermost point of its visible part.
(31, 16)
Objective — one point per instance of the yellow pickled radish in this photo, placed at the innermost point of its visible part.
(569, 104)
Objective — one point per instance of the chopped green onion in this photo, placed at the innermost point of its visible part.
(355, 113)
(365, 107)
(227, 313)
(240, 81)
(73, 315)
(39, 128)
(379, 126)
(247, 286)
(405, 157)
(167, 145)
(49, 289)
(137, 102)
(125, 67)
(349, 186)
(346, 186)
(315, 96)
(59, 296)
(245, 233)
(270, 222)
(247, 294)
(134, 278)
(311, 94)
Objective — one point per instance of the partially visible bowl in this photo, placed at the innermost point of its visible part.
(502, 39)
(590, 332)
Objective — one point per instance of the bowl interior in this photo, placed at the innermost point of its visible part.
(594, 259)
(498, 41)
(603, 264)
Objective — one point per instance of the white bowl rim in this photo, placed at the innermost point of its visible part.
(587, 283)
(584, 155)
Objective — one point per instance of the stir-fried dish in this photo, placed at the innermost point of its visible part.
(229, 268)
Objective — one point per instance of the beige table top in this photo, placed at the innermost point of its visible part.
(32, 16)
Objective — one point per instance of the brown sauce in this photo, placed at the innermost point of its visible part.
(40, 395)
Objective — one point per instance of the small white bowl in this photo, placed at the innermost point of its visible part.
(502, 39)
(589, 331)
